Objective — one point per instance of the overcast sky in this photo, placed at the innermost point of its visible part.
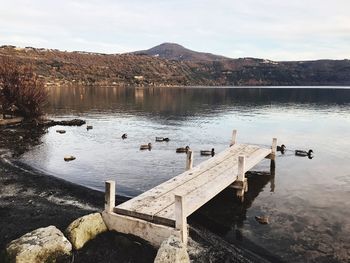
(272, 29)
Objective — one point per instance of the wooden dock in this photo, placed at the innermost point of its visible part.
(163, 210)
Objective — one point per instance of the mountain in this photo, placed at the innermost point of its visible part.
(173, 51)
(176, 66)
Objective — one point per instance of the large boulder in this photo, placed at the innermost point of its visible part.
(84, 229)
(47, 244)
(172, 250)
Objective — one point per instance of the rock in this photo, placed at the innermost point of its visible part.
(84, 229)
(172, 250)
(61, 131)
(47, 244)
(262, 219)
(68, 158)
(74, 122)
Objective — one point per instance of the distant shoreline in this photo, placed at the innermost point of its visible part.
(175, 66)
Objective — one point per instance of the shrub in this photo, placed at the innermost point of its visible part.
(21, 89)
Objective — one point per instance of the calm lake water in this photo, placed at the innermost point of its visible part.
(308, 201)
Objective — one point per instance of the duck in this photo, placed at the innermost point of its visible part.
(281, 148)
(89, 127)
(183, 149)
(159, 139)
(69, 158)
(61, 131)
(303, 153)
(166, 139)
(207, 152)
(146, 146)
(124, 136)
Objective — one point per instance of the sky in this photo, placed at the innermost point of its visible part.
(270, 29)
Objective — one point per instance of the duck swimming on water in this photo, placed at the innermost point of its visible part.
(124, 136)
(146, 146)
(304, 153)
(183, 149)
(281, 148)
(207, 153)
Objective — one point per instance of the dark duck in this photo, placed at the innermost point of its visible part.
(303, 153)
(207, 152)
(281, 148)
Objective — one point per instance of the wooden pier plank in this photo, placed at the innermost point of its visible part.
(183, 178)
(199, 185)
(204, 180)
(200, 196)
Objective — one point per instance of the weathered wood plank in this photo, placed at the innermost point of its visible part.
(183, 178)
(163, 201)
(180, 217)
(109, 195)
(199, 185)
(200, 196)
(203, 181)
(189, 160)
(153, 233)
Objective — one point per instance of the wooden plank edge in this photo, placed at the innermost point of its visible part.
(150, 218)
(153, 233)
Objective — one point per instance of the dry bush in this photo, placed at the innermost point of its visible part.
(21, 89)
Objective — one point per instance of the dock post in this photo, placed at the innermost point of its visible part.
(180, 217)
(109, 196)
(189, 160)
(241, 180)
(234, 135)
(273, 153)
(241, 168)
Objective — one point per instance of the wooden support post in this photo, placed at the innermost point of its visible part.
(273, 153)
(241, 168)
(109, 196)
(189, 160)
(180, 217)
(234, 135)
(272, 181)
(240, 194)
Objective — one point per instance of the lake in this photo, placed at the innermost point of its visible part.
(307, 200)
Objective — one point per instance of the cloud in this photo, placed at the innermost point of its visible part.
(274, 29)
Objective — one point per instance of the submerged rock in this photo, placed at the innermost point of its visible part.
(47, 244)
(262, 219)
(84, 229)
(172, 250)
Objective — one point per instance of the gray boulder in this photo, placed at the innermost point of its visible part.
(84, 229)
(172, 250)
(47, 244)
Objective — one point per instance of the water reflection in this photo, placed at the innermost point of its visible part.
(180, 102)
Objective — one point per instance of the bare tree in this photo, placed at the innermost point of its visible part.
(21, 89)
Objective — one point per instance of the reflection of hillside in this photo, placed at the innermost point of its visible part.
(177, 102)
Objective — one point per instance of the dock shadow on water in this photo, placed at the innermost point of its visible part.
(226, 214)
